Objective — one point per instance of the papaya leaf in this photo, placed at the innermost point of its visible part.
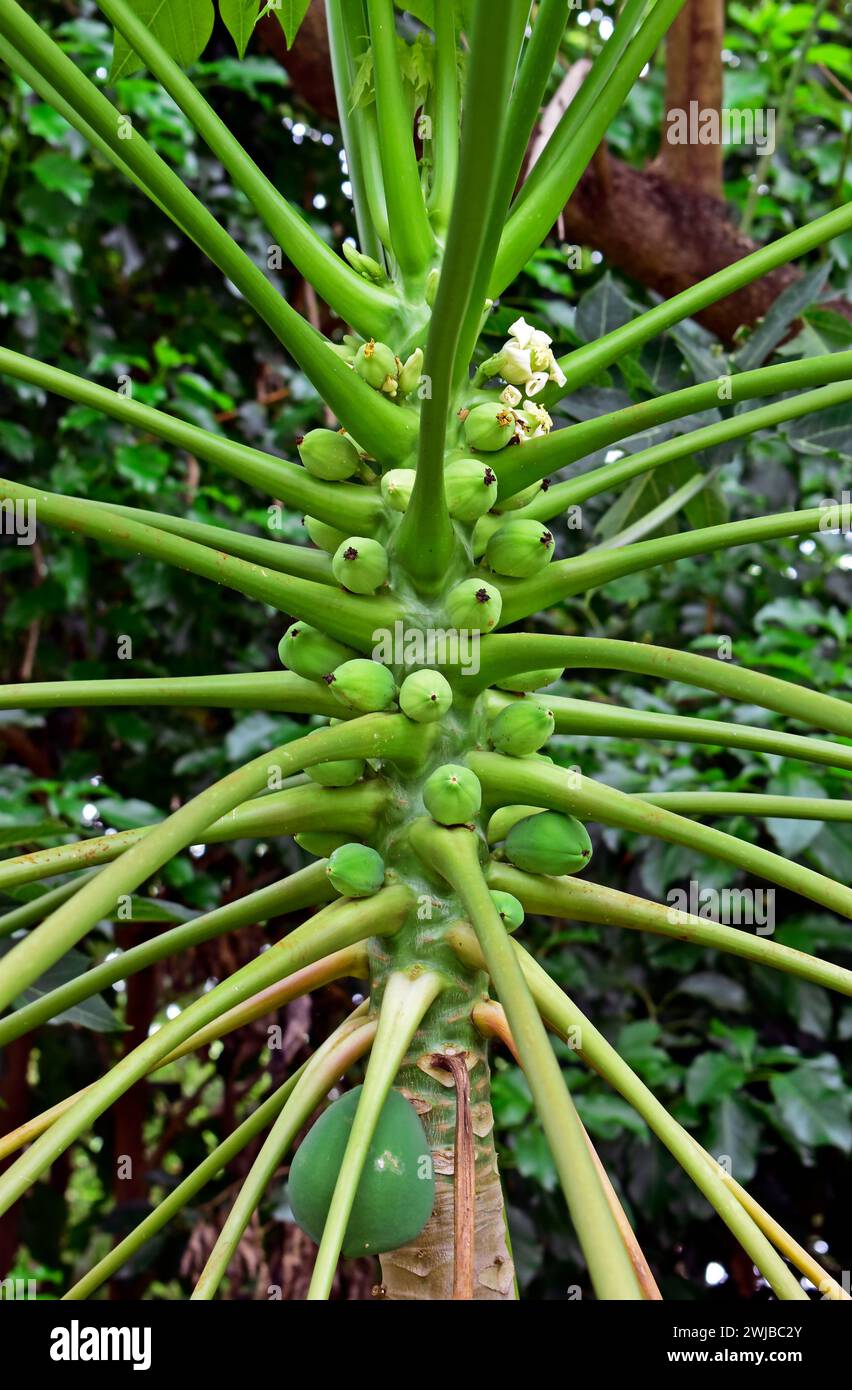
(290, 14)
(239, 18)
(182, 29)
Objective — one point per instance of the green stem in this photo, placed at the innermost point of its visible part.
(342, 925)
(454, 854)
(306, 888)
(411, 236)
(588, 117)
(514, 780)
(587, 362)
(584, 572)
(446, 126)
(751, 804)
(282, 691)
(582, 901)
(563, 1015)
(345, 1045)
(37, 908)
(369, 309)
(29, 958)
(352, 127)
(274, 476)
(351, 618)
(518, 468)
(504, 655)
(406, 998)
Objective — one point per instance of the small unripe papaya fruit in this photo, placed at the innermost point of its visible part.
(510, 910)
(475, 605)
(519, 548)
(328, 454)
(319, 842)
(356, 871)
(396, 1193)
(452, 794)
(308, 652)
(522, 727)
(530, 680)
(365, 685)
(425, 696)
(339, 772)
(375, 362)
(504, 818)
(549, 843)
(397, 486)
(470, 487)
(324, 536)
(489, 427)
(360, 564)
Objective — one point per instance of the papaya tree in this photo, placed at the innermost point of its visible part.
(415, 643)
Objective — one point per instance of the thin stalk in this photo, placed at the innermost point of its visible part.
(584, 901)
(305, 888)
(513, 780)
(504, 655)
(445, 132)
(587, 362)
(412, 238)
(751, 804)
(426, 536)
(373, 421)
(406, 999)
(274, 476)
(518, 468)
(351, 618)
(336, 1055)
(29, 958)
(281, 691)
(34, 909)
(342, 925)
(369, 309)
(607, 476)
(454, 854)
(598, 567)
(347, 32)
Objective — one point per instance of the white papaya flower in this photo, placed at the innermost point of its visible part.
(510, 396)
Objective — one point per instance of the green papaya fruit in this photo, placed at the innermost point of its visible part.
(397, 486)
(452, 794)
(356, 871)
(530, 680)
(489, 427)
(340, 772)
(510, 910)
(522, 727)
(504, 818)
(470, 487)
(549, 843)
(520, 499)
(376, 363)
(483, 531)
(360, 565)
(325, 537)
(519, 548)
(308, 652)
(425, 696)
(329, 454)
(364, 685)
(396, 1193)
(319, 842)
(474, 605)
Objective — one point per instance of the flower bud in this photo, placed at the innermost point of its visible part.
(452, 794)
(324, 536)
(376, 364)
(489, 427)
(411, 371)
(530, 680)
(425, 696)
(510, 910)
(339, 772)
(309, 653)
(519, 548)
(522, 728)
(363, 685)
(475, 605)
(329, 454)
(319, 842)
(431, 286)
(520, 499)
(365, 265)
(397, 486)
(470, 487)
(360, 564)
(356, 871)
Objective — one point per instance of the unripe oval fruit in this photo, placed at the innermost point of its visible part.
(324, 536)
(549, 843)
(489, 427)
(356, 871)
(483, 531)
(522, 728)
(519, 548)
(510, 910)
(375, 362)
(425, 696)
(360, 564)
(340, 772)
(530, 680)
(471, 489)
(452, 794)
(328, 454)
(396, 1192)
(504, 818)
(319, 842)
(397, 486)
(475, 605)
(520, 499)
(365, 685)
(308, 652)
